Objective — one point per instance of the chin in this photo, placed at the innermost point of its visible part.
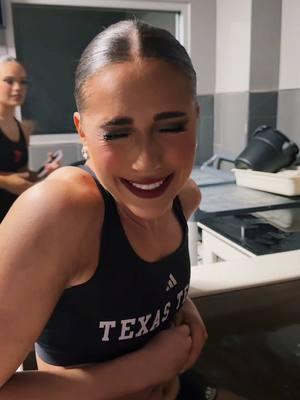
(15, 104)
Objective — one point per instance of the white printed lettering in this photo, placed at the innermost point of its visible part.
(106, 325)
(186, 291)
(143, 321)
(156, 321)
(166, 311)
(125, 328)
(179, 296)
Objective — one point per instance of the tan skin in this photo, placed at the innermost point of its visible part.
(13, 90)
(28, 293)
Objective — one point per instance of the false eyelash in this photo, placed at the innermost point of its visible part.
(171, 129)
(12, 81)
(113, 136)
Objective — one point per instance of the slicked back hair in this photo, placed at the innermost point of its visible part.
(126, 41)
(6, 58)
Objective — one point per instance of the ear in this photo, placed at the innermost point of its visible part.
(77, 123)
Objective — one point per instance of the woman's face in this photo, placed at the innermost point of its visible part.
(139, 126)
(13, 84)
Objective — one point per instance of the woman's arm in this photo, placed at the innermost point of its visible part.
(35, 268)
(156, 363)
(190, 197)
(190, 316)
(16, 182)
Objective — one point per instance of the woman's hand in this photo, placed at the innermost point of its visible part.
(50, 165)
(189, 315)
(167, 353)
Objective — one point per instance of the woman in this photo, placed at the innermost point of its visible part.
(98, 274)
(14, 135)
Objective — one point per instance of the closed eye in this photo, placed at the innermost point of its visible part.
(173, 128)
(11, 81)
(115, 135)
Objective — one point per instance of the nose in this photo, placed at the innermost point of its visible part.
(148, 156)
(17, 86)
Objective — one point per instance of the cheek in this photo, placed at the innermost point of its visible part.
(181, 147)
(107, 158)
(4, 90)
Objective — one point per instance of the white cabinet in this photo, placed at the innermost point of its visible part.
(216, 247)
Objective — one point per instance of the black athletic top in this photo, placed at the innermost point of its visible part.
(13, 157)
(125, 303)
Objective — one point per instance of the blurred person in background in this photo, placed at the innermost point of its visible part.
(15, 176)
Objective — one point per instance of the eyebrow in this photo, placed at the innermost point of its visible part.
(118, 122)
(129, 121)
(21, 78)
(169, 115)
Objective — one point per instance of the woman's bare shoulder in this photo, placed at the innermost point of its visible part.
(190, 197)
(62, 212)
(66, 187)
(28, 127)
(73, 183)
(67, 196)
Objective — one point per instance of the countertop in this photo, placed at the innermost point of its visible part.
(260, 233)
(245, 273)
(225, 199)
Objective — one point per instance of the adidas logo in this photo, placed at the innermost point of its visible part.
(171, 283)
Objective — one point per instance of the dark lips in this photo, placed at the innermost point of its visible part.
(17, 97)
(148, 194)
